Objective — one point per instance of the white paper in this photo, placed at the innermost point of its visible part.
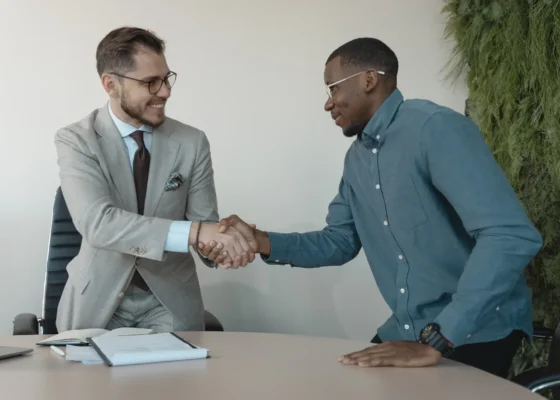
(127, 332)
(141, 349)
(74, 336)
(85, 354)
(80, 335)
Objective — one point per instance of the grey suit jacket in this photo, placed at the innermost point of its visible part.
(98, 185)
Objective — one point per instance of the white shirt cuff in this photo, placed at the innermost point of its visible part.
(178, 237)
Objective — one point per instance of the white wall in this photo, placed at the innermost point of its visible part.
(250, 75)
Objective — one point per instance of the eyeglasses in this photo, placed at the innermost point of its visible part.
(330, 86)
(154, 85)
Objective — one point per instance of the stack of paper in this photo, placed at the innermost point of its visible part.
(84, 354)
(143, 349)
(80, 336)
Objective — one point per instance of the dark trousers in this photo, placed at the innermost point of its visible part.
(493, 357)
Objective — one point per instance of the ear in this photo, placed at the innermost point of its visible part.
(372, 80)
(110, 84)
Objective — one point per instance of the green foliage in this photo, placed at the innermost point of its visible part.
(510, 52)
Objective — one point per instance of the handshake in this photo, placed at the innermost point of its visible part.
(232, 243)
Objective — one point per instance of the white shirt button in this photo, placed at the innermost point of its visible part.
(374, 151)
(378, 186)
(407, 327)
(402, 290)
(469, 336)
(385, 223)
(378, 137)
(400, 257)
(498, 308)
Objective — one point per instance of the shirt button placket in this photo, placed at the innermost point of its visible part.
(404, 316)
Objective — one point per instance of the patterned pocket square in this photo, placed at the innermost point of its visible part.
(174, 181)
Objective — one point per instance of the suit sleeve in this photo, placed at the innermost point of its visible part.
(202, 203)
(89, 199)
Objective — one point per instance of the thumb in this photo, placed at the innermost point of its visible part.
(223, 225)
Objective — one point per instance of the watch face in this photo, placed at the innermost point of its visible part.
(427, 331)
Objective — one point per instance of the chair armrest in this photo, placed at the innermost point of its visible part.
(211, 323)
(527, 377)
(540, 332)
(547, 382)
(26, 324)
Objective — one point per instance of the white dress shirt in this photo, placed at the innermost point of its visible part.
(178, 236)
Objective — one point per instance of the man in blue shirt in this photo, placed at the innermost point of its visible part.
(444, 233)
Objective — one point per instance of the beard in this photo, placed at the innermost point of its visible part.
(354, 129)
(138, 112)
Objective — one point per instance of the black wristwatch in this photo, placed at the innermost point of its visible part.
(431, 336)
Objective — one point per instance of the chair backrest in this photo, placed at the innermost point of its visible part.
(64, 245)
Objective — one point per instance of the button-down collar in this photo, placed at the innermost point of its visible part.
(374, 132)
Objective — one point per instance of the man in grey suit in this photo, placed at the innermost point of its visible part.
(140, 190)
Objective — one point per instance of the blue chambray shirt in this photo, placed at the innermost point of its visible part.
(443, 231)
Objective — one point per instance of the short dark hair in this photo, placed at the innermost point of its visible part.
(367, 52)
(117, 49)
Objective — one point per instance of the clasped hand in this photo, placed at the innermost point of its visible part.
(230, 244)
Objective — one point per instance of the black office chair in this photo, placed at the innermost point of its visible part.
(64, 245)
(547, 377)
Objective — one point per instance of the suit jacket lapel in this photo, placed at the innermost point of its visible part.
(163, 156)
(117, 158)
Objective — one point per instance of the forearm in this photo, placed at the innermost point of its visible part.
(308, 250)
(492, 272)
(107, 227)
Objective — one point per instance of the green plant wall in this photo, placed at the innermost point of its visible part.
(510, 52)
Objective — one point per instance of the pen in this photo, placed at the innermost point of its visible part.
(57, 351)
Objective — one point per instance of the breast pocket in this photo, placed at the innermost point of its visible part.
(404, 206)
(173, 203)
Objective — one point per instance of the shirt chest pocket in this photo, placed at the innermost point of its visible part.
(404, 207)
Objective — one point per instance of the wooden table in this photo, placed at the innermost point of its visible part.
(245, 366)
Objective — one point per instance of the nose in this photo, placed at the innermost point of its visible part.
(164, 92)
(329, 104)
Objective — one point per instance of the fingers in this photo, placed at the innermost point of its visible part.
(227, 222)
(238, 242)
(236, 250)
(372, 359)
(240, 238)
(250, 257)
(223, 225)
(224, 260)
(378, 362)
(356, 354)
(211, 250)
(396, 354)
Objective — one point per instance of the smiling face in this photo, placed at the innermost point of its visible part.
(131, 100)
(351, 102)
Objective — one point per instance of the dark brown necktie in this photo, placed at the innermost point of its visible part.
(141, 168)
